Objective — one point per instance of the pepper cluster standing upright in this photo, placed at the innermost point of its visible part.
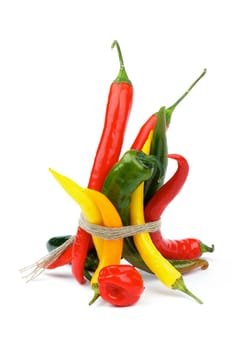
(127, 190)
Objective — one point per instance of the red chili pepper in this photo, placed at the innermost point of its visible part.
(117, 112)
(120, 285)
(64, 259)
(144, 132)
(189, 248)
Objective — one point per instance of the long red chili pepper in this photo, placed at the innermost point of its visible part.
(183, 249)
(118, 109)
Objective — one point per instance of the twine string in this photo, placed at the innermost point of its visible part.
(109, 233)
(32, 271)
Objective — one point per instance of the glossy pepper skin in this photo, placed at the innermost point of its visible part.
(188, 248)
(118, 109)
(156, 262)
(97, 209)
(133, 168)
(111, 250)
(159, 149)
(120, 285)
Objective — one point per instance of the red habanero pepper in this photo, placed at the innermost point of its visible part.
(118, 109)
(151, 122)
(183, 249)
(120, 285)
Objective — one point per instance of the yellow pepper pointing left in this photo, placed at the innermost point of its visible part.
(99, 210)
(81, 196)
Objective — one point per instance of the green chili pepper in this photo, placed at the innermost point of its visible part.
(132, 169)
(159, 149)
(125, 176)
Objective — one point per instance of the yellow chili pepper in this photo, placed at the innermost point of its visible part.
(112, 249)
(82, 197)
(97, 209)
(160, 266)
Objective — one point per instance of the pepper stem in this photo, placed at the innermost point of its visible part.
(87, 275)
(96, 293)
(170, 109)
(206, 249)
(180, 285)
(122, 75)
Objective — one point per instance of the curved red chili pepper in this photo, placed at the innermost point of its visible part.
(183, 249)
(117, 112)
(144, 132)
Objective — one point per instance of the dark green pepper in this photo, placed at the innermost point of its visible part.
(125, 176)
(159, 149)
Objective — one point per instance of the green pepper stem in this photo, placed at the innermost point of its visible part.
(122, 76)
(96, 293)
(170, 109)
(205, 248)
(180, 285)
(87, 275)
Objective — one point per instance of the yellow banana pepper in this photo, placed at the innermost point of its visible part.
(82, 197)
(159, 265)
(97, 209)
(112, 249)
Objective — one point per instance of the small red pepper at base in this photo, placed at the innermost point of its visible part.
(120, 285)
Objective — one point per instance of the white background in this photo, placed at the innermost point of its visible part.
(56, 66)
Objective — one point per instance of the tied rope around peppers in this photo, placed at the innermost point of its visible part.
(108, 233)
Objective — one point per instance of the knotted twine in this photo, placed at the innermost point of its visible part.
(108, 233)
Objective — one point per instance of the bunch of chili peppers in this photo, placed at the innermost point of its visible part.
(124, 190)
